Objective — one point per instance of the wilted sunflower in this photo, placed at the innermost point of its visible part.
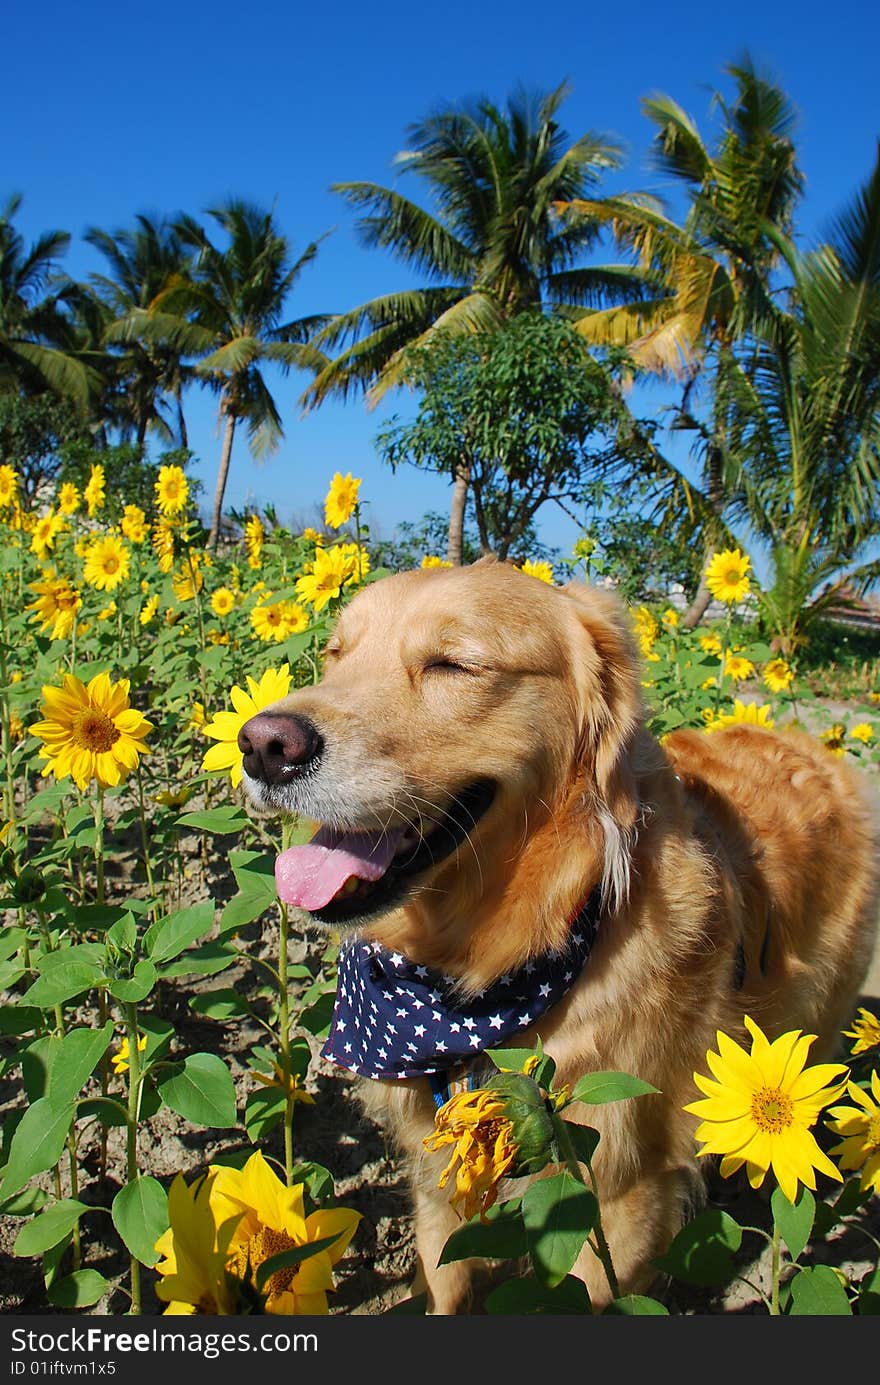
(107, 563)
(341, 500)
(759, 1110)
(225, 726)
(727, 576)
(172, 491)
(475, 1123)
(90, 732)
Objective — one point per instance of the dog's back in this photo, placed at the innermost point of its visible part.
(797, 832)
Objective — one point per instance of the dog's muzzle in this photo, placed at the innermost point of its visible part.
(277, 747)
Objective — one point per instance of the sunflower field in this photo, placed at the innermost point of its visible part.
(150, 973)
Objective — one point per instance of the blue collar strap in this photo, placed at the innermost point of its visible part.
(395, 1019)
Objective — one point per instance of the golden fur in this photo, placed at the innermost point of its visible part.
(743, 856)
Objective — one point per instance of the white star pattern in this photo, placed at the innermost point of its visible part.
(377, 986)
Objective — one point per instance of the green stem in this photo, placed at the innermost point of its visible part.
(284, 1021)
(144, 840)
(600, 1245)
(99, 843)
(774, 1271)
(134, 1084)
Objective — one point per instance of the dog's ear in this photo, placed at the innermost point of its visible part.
(607, 674)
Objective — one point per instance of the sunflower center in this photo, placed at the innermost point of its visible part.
(261, 1247)
(93, 730)
(111, 563)
(772, 1110)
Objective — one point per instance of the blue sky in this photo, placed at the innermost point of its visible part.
(121, 108)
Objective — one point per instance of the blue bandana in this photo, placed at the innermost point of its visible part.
(394, 1019)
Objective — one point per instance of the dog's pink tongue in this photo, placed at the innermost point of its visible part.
(309, 876)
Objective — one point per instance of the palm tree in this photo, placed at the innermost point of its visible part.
(230, 313)
(804, 420)
(33, 328)
(143, 263)
(490, 246)
(713, 275)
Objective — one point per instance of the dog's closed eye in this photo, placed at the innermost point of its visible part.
(444, 665)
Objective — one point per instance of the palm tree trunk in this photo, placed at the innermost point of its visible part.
(700, 604)
(222, 474)
(455, 542)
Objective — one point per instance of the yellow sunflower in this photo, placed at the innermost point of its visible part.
(710, 644)
(254, 534)
(778, 675)
(330, 571)
(433, 560)
(738, 668)
(149, 609)
(543, 571)
(865, 1031)
(188, 582)
(90, 731)
(727, 576)
(69, 499)
(95, 492)
(107, 563)
(56, 605)
(172, 491)
(45, 532)
(860, 1127)
(833, 739)
(864, 732)
(192, 1253)
(9, 483)
(225, 726)
(163, 541)
(759, 1109)
(222, 601)
(122, 1059)
(341, 500)
(134, 524)
(278, 620)
(743, 714)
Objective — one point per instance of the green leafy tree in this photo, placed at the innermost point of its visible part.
(523, 411)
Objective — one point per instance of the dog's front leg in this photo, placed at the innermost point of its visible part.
(448, 1287)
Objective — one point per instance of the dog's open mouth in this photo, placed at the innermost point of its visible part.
(342, 876)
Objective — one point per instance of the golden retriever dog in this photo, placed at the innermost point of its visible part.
(477, 760)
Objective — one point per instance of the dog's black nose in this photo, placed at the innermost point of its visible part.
(275, 745)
